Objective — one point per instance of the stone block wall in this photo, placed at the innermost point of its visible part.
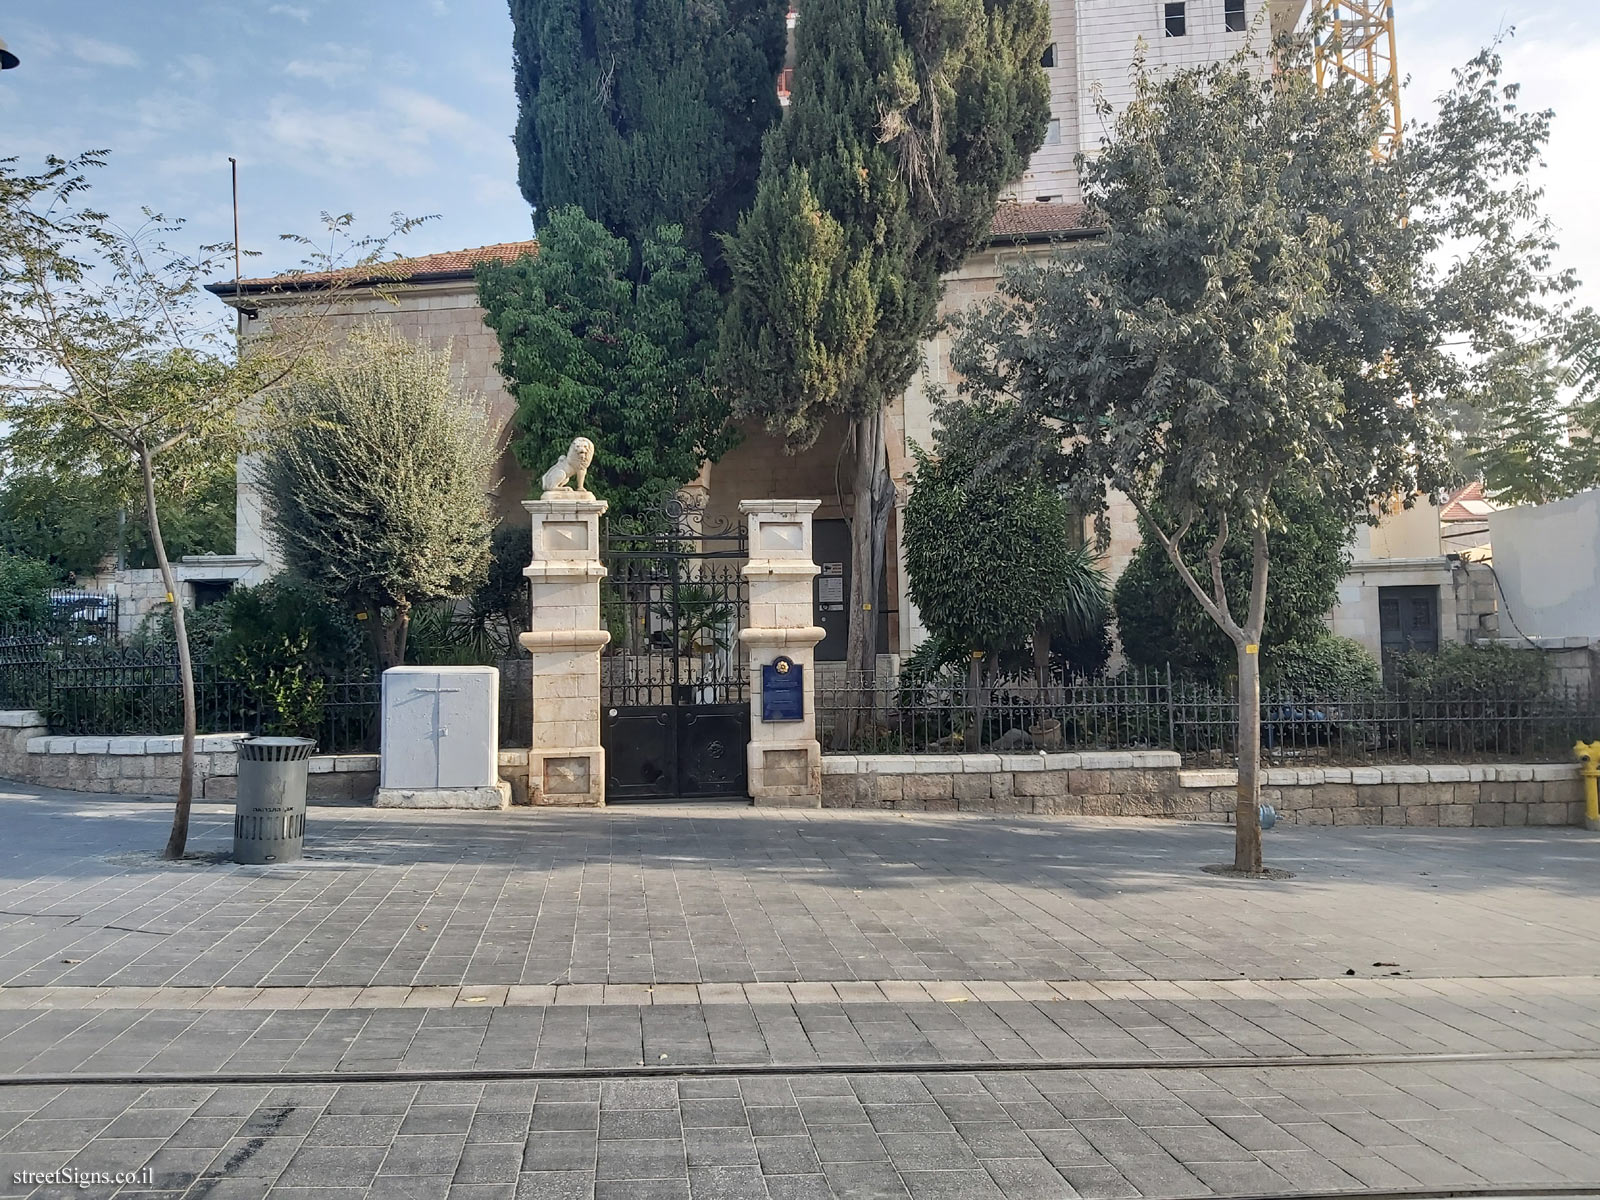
(1152, 784)
(149, 766)
(1488, 795)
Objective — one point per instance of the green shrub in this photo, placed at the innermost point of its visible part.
(1460, 672)
(282, 641)
(1324, 666)
(24, 589)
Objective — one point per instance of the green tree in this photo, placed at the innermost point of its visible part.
(24, 588)
(994, 559)
(588, 349)
(1160, 622)
(1272, 301)
(110, 365)
(78, 522)
(377, 483)
(1531, 436)
(906, 122)
(645, 113)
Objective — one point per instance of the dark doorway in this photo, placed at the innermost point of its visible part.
(1408, 621)
(830, 550)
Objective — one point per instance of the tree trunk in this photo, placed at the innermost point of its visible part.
(1041, 654)
(1247, 815)
(1247, 811)
(178, 840)
(873, 494)
(392, 645)
(972, 736)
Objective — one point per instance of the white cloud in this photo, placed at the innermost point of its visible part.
(102, 54)
(331, 64)
(195, 66)
(398, 134)
(298, 12)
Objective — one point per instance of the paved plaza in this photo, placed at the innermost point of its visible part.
(711, 1002)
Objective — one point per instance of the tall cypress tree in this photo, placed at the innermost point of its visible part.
(907, 118)
(646, 113)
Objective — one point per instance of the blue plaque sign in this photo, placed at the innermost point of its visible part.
(783, 696)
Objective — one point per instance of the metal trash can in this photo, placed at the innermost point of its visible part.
(269, 821)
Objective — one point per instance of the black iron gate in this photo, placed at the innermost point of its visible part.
(674, 687)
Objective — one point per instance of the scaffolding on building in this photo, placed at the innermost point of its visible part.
(1355, 39)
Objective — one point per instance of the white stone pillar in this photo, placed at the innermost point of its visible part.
(785, 758)
(566, 765)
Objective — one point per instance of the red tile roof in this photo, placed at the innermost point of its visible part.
(448, 264)
(1030, 218)
(1469, 504)
(1023, 220)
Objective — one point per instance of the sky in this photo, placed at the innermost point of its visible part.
(381, 106)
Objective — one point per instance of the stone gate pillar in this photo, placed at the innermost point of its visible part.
(785, 758)
(566, 765)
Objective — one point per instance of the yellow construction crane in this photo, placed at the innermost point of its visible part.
(1355, 39)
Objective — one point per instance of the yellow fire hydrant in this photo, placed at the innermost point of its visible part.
(1589, 767)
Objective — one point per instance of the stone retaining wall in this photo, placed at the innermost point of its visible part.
(148, 766)
(1152, 784)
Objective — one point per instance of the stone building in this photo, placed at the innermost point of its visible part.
(1095, 44)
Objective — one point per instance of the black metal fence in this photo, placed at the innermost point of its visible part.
(1151, 710)
(88, 689)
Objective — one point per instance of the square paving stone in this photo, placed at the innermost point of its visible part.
(641, 1189)
(719, 1147)
(726, 1183)
(787, 1156)
(717, 1113)
(929, 1151)
(560, 1151)
(907, 1118)
(374, 1129)
(864, 1181)
(640, 1123)
(1026, 1179)
(770, 1121)
(848, 1143)
(645, 1158)
(333, 1166)
(423, 1155)
(950, 1185)
(564, 1116)
(253, 1158)
(639, 1094)
(555, 1185)
(489, 1164)
(799, 1187)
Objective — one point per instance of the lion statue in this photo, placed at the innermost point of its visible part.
(573, 465)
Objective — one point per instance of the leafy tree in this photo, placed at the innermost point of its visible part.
(1161, 622)
(377, 484)
(24, 588)
(905, 123)
(646, 113)
(589, 350)
(109, 365)
(1531, 437)
(77, 522)
(993, 558)
(1272, 302)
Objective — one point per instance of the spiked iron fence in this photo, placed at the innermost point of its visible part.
(1151, 710)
